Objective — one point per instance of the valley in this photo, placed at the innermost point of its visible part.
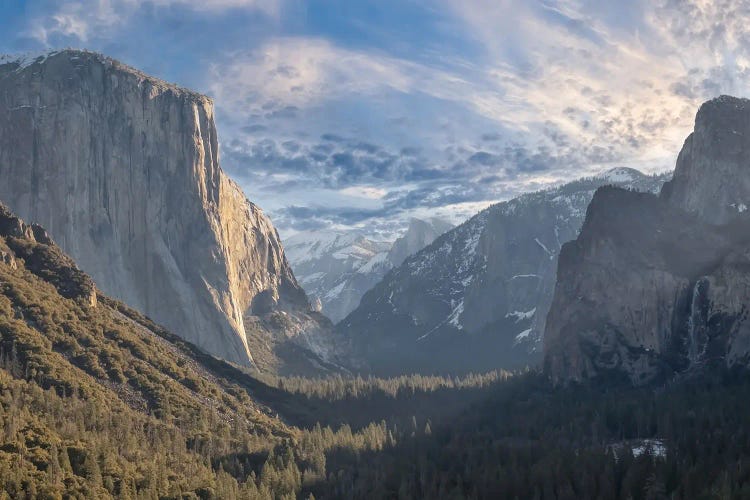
(159, 339)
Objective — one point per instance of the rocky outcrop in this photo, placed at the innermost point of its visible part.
(477, 297)
(34, 249)
(337, 268)
(418, 235)
(123, 170)
(656, 286)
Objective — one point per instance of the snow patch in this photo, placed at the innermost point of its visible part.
(551, 254)
(521, 315)
(654, 447)
(524, 334)
(455, 315)
(26, 59)
(379, 260)
(741, 207)
(619, 175)
(453, 319)
(305, 280)
(335, 292)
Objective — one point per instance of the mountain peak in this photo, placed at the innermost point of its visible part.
(657, 286)
(80, 58)
(621, 174)
(725, 102)
(712, 176)
(339, 267)
(418, 235)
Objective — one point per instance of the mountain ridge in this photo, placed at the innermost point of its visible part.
(476, 298)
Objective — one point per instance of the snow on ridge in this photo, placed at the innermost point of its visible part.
(353, 251)
(379, 259)
(26, 59)
(335, 291)
(517, 276)
(309, 246)
(620, 174)
(310, 278)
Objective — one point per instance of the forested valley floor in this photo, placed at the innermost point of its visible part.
(97, 401)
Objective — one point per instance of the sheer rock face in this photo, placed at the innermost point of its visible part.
(712, 176)
(122, 169)
(655, 286)
(419, 234)
(625, 286)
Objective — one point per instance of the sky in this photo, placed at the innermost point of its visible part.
(359, 114)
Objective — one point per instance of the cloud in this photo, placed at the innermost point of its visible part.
(301, 72)
(359, 122)
(340, 164)
(626, 105)
(83, 20)
(267, 6)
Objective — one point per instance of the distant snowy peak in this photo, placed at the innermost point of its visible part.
(377, 262)
(309, 246)
(622, 174)
(419, 234)
(339, 267)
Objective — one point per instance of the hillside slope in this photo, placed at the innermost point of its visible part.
(96, 400)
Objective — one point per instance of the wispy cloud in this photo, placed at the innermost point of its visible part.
(84, 20)
(303, 71)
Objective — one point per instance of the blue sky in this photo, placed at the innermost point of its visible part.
(359, 114)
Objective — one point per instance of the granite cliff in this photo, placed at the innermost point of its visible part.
(658, 286)
(123, 171)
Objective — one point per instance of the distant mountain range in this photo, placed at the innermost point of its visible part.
(477, 297)
(337, 268)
